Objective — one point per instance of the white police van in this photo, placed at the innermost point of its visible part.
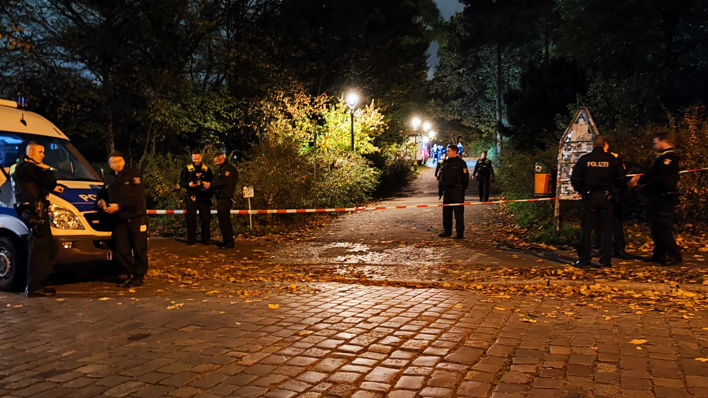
(80, 231)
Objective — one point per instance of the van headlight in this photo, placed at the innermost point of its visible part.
(64, 218)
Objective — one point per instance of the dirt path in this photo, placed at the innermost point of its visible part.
(408, 236)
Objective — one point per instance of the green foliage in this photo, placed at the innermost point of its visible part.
(283, 177)
(516, 180)
(569, 235)
(161, 178)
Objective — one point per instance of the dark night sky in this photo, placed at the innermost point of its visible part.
(447, 9)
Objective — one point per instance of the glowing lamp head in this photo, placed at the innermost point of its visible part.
(426, 126)
(416, 122)
(352, 99)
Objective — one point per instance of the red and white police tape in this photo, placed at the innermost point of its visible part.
(353, 209)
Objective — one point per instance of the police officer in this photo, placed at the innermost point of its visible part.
(196, 179)
(483, 172)
(32, 181)
(619, 242)
(661, 180)
(224, 185)
(123, 197)
(454, 179)
(596, 177)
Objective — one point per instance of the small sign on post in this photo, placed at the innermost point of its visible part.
(248, 194)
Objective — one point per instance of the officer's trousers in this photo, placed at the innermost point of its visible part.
(131, 245)
(223, 209)
(662, 217)
(204, 209)
(597, 215)
(42, 254)
(483, 188)
(453, 195)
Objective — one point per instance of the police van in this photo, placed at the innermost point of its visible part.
(80, 231)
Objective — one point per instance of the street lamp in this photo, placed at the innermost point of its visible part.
(416, 122)
(431, 134)
(426, 126)
(352, 99)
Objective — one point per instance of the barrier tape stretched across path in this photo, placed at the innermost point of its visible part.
(354, 209)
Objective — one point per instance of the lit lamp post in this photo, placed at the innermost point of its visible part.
(416, 123)
(431, 134)
(352, 99)
(426, 126)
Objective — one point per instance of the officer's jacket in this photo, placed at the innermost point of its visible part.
(200, 174)
(483, 168)
(224, 181)
(620, 164)
(128, 191)
(597, 170)
(662, 177)
(30, 182)
(454, 173)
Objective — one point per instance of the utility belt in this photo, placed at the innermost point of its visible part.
(608, 194)
(38, 208)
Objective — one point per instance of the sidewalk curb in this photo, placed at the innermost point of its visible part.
(636, 286)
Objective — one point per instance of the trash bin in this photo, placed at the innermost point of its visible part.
(542, 180)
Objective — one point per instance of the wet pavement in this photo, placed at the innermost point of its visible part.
(373, 304)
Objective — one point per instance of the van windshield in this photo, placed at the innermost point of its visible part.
(68, 163)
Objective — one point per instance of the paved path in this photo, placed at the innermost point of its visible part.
(342, 341)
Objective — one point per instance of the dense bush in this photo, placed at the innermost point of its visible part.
(516, 181)
(283, 177)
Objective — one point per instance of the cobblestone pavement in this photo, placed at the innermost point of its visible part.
(333, 340)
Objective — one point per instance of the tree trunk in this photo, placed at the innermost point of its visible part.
(499, 98)
(108, 105)
(110, 144)
(547, 42)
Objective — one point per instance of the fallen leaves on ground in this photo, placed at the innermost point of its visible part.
(637, 341)
(273, 306)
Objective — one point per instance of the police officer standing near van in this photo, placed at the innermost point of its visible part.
(123, 197)
(454, 179)
(662, 183)
(596, 177)
(224, 185)
(32, 181)
(196, 179)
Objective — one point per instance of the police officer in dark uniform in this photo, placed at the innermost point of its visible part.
(619, 242)
(596, 177)
(196, 179)
(32, 181)
(123, 197)
(661, 180)
(454, 179)
(224, 185)
(483, 172)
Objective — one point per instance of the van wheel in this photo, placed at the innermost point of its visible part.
(10, 270)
